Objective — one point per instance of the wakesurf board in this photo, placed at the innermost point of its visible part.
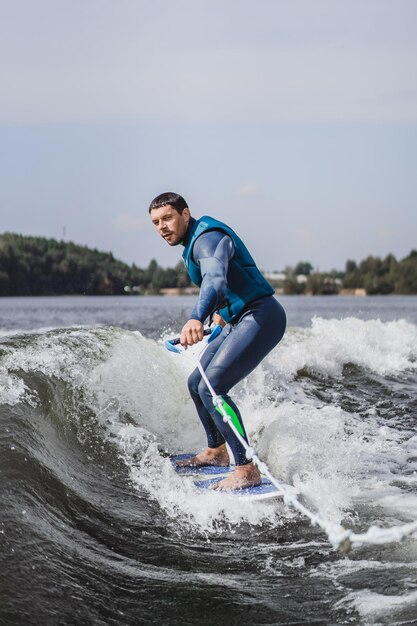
(266, 490)
(206, 470)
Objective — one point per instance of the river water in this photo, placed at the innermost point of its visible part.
(96, 528)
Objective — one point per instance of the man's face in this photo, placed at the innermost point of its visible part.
(171, 225)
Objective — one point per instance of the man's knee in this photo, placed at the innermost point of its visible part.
(198, 389)
(205, 395)
(193, 382)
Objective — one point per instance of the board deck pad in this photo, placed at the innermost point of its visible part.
(207, 470)
(263, 491)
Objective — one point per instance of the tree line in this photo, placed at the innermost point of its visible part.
(32, 266)
(373, 276)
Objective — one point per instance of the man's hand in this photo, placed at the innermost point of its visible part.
(192, 332)
(217, 319)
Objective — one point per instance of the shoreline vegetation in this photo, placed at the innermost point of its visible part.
(36, 266)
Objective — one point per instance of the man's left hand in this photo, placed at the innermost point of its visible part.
(192, 332)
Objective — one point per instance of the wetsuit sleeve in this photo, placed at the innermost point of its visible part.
(212, 252)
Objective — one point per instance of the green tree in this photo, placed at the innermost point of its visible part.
(183, 280)
(303, 267)
(350, 267)
(322, 284)
(405, 275)
(292, 287)
(35, 265)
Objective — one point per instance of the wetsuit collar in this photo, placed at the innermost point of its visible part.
(190, 227)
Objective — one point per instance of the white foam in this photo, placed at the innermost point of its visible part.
(151, 387)
(67, 354)
(333, 458)
(190, 508)
(138, 393)
(23, 331)
(12, 389)
(374, 606)
(381, 347)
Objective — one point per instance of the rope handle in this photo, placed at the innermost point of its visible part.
(171, 344)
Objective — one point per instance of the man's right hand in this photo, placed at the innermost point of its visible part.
(191, 333)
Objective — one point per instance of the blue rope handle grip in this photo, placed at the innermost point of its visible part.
(170, 344)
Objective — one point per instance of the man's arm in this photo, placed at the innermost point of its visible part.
(212, 252)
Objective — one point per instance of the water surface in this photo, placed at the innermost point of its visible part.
(96, 528)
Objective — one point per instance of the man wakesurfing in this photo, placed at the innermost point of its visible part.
(233, 290)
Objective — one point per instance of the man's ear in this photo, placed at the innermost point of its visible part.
(186, 215)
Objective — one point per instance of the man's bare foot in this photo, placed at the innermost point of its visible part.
(209, 456)
(242, 476)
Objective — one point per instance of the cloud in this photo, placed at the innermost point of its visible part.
(233, 85)
(276, 67)
(127, 223)
(249, 190)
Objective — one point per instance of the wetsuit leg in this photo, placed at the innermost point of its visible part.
(214, 437)
(231, 357)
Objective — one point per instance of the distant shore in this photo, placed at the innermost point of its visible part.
(35, 266)
(190, 291)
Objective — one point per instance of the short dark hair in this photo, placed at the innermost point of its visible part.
(169, 197)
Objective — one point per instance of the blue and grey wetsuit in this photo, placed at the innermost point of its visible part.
(218, 261)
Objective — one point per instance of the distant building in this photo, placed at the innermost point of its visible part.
(353, 292)
(275, 276)
(302, 279)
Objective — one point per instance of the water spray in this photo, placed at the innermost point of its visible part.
(341, 538)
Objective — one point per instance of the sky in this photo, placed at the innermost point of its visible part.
(293, 121)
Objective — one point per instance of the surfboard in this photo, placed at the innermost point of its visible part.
(264, 491)
(208, 470)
